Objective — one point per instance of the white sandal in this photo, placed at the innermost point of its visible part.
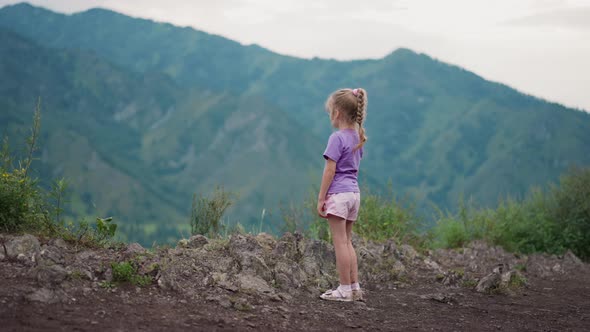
(337, 295)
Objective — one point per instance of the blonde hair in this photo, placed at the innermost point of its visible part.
(353, 104)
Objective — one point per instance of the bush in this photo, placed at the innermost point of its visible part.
(526, 226)
(381, 219)
(127, 272)
(571, 211)
(468, 224)
(206, 212)
(549, 221)
(21, 204)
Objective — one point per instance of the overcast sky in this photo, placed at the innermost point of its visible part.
(540, 47)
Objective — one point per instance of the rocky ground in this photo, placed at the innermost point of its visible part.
(262, 283)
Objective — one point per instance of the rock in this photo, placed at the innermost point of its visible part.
(59, 243)
(50, 275)
(289, 276)
(78, 273)
(571, 261)
(432, 265)
(489, 283)
(398, 269)
(197, 241)
(43, 295)
(452, 278)
(408, 253)
(87, 255)
(512, 280)
(167, 281)
(311, 266)
(27, 245)
(321, 251)
(249, 255)
(51, 255)
(221, 280)
(390, 248)
(290, 246)
(242, 304)
(440, 297)
(253, 284)
(134, 249)
(543, 265)
(266, 241)
(108, 274)
(23, 258)
(365, 253)
(221, 300)
(505, 279)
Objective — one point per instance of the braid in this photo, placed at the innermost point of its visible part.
(361, 112)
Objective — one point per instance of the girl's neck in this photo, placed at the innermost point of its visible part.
(342, 126)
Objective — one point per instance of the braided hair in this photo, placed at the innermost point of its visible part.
(361, 113)
(353, 104)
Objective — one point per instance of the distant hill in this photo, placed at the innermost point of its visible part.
(137, 146)
(435, 130)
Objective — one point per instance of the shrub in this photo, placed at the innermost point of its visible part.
(206, 212)
(127, 272)
(380, 219)
(549, 221)
(572, 211)
(21, 204)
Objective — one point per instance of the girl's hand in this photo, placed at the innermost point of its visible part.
(322, 208)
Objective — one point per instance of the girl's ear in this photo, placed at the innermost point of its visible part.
(335, 113)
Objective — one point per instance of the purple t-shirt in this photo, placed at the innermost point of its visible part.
(340, 149)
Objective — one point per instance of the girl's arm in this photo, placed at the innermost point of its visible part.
(327, 177)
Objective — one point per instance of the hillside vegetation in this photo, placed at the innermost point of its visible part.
(139, 115)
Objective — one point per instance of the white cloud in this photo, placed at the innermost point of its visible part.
(537, 46)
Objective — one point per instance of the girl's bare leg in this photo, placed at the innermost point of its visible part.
(340, 241)
(354, 273)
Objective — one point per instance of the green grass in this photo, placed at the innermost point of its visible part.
(549, 221)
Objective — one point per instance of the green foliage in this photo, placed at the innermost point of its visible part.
(545, 221)
(58, 195)
(106, 284)
(572, 211)
(380, 219)
(469, 283)
(207, 212)
(517, 281)
(127, 272)
(26, 207)
(105, 228)
(21, 204)
(456, 230)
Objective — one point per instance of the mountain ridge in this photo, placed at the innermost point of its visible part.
(436, 130)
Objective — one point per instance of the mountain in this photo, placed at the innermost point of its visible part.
(138, 146)
(435, 130)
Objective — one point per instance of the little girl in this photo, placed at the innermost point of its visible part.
(339, 197)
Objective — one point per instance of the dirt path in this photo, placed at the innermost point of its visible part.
(560, 304)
